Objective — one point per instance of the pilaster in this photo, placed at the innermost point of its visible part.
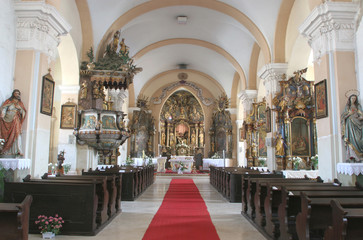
(330, 31)
(247, 97)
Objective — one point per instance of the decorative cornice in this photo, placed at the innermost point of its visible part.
(247, 97)
(331, 26)
(271, 74)
(205, 101)
(39, 27)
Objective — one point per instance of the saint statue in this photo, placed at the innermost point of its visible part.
(280, 151)
(96, 90)
(12, 116)
(352, 127)
(83, 91)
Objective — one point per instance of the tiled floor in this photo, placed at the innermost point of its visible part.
(136, 216)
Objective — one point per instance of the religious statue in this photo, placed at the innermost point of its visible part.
(280, 151)
(115, 40)
(60, 170)
(83, 90)
(163, 138)
(12, 116)
(192, 141)
(96, 90)
(352, 127)
(123, 47)
(201, 139)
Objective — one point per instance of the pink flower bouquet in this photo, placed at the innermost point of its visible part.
(49, 224)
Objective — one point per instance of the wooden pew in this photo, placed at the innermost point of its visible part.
(254, 190)
(101, 191)
(76, 202)
(291, 205)
(14, 219)
(274, 199)
(347, 223)
(114, 198)
(316, 214)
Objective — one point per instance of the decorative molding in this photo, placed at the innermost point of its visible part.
(271, 74)
(132, 109)
(39, 27)
(331, 26)
(232, 110)
(205, 101)
(247, 97)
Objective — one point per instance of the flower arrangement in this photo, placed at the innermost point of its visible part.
(52, 167)
(49, 224)
(181, 167)
(129, 161)
(262, 161)
(296, 162)
(66, 167)
(314, 161)
(216, 156)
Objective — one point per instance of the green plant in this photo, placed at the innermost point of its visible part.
(296, 162)
(181, 167)
(315, 161)
(262, 161)
(66, 167)
(129, 161)
(49, 224)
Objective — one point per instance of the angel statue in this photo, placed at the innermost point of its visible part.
(352, 127)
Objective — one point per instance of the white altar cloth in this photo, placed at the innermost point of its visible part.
(300, 173)
(350, 168)
(186, 160)
(15, 163)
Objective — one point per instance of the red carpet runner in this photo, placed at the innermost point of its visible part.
(183, 215)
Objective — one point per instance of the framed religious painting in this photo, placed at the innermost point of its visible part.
(321, 100)
(68, 116)
(268, 119)
(46, 101)
(300, 137)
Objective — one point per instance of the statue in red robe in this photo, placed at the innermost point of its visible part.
(12, 116)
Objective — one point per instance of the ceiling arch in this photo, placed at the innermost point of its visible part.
(198, 43)
(210, 4)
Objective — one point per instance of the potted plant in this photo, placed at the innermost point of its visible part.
(67, 167)
(314, 162)
(49, 226)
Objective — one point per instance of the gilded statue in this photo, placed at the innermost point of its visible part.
(83, 91)
(116, 38)
(201, 138)
(352, 127)
(12, 116)
(280, 151)
(96, 90)
(123, 47)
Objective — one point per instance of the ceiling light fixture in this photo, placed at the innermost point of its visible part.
(182, 19)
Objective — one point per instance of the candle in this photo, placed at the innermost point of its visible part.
(143, 153)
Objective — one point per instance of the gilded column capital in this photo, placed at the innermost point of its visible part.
(39, 27)
(331, 26)
(271, 74)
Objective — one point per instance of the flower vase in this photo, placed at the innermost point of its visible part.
(48, 235)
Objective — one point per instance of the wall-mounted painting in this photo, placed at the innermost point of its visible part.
(321, 99)
(68, 116)
(268, 119)
(262, 149)
(46, 101)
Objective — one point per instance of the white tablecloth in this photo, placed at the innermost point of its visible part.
(350, 168)
(15, 163)
(175, 164)
(301, 173)
(216, 162)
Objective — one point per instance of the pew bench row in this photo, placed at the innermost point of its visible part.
(298, 208)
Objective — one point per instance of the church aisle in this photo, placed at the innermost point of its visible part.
(136, 216)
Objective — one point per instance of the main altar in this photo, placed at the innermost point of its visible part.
(177, 161)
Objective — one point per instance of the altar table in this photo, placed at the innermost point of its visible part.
(300, 173)
(186, 160)
(16, 168)
(217, 162)
(349, 173)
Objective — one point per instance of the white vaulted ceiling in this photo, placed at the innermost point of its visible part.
(217, 39)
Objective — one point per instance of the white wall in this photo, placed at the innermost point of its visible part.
(7, 48)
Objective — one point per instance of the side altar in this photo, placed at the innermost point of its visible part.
(176, 161)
